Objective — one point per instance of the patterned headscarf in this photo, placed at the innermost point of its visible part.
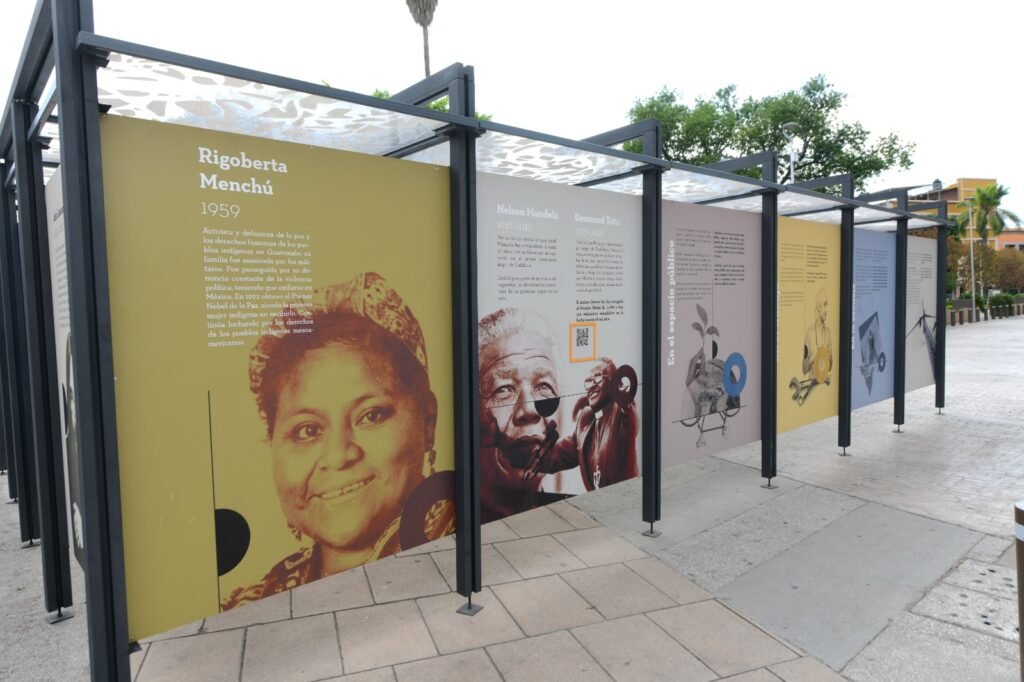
(366, 295)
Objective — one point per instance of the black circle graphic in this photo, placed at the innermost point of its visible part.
(627, 374)
(233, 536)
(546, 406)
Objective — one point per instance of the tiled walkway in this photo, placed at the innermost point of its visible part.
(566, 599)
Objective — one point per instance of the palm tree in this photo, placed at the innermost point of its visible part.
(423, 13)
(986, 216)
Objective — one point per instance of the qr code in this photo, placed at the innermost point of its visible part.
(582, 337)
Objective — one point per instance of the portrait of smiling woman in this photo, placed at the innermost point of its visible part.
(342, 387)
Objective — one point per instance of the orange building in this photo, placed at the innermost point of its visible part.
(960, 191)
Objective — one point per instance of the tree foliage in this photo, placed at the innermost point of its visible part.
(1008, 270)
(722, 126)
(983, 211)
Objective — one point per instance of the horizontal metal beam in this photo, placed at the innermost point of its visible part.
(632, 172)
(733, 197)
(47, 103)
(844, 181)
(743, 163)
(440, 135)
(624, 134)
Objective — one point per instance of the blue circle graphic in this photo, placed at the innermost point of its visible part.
(734, 387)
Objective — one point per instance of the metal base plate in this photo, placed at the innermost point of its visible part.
(844, 453)
(58, 616)
(769, 486)
(469, 609)
(134, 647)
(27, 545)
(898, 429)
(651, 533)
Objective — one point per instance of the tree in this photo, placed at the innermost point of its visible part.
(721, 127)
(1008, 270)
(986, 215)
(423, 13)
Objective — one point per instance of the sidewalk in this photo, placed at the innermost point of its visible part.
(892, 564)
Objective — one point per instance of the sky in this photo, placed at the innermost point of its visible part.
(946, 76)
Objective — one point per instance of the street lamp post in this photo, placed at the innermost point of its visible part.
(970, 242)
(788, 130)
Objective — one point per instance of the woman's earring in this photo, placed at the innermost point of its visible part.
(431, 459)
(295, 532)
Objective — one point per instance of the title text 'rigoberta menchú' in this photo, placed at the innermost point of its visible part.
(241, 161)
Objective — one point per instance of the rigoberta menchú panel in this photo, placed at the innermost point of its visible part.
(808, 304)
(281, 326)
(560, 340)
(711, 330)
(874, 316)
(922, 257)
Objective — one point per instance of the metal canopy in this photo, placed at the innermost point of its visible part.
(160, 91)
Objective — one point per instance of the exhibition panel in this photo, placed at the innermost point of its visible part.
(921, 317)
(559, 292)
(874, 319)
(711, 321)
(808, 294)
(287, 412)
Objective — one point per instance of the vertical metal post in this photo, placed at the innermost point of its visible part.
(468, 556)
(650, 383)
(88, 287)
(8, 383)
(1018, 518)
(940, 318)
(44, 438)
(28, 508)
(846, 332)
(899, 376)
(769, 324)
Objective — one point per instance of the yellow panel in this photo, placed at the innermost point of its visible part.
(808, 304)
(190, 437)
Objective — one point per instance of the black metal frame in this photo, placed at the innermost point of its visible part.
(649, 132)
(769, 163)
(43, 404)
(846, 303)
(457, 83)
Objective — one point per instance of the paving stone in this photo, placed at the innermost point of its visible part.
(721, 554)
(386, 634)
(681, 589)
(692, 506)
(217, 655)
(916, 649)
(453, 631)
(468, 665)
(184, 631)
(989, 548)
(970, 609)
(598, 546)
(713, 633)
(539, 521)
(269, 610)
(1009, 558)
(634, 648)
(496, 531)
(992, 579)
(545, 604)
(439, 545)
(533, 557)
(834, 592)
(805, 669)
(300, 649)
(375, 675)
(495, 568)
(759, 675)
(398, 578)
(345, 590)
(551, 657)
(616, 591)
(689, 470)
(572, 515)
